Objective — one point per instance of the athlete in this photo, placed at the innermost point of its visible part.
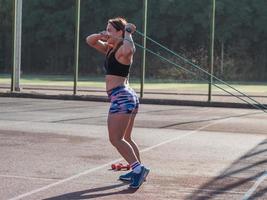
(117, 44)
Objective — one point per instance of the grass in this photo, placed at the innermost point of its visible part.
(155, 84)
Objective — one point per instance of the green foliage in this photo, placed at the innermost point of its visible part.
(5, 32)
(182, 25)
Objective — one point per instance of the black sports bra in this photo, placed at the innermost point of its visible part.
(113, 67)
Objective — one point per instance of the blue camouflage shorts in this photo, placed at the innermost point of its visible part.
(123, 100)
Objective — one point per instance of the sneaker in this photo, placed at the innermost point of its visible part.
(138, 179)
(126, 177)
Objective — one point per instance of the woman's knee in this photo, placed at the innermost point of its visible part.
(128, 139)
(115, 141)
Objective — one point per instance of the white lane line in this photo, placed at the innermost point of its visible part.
(178, 137)
(27, 177)
(255, 186)
(114, 161)
(65, 180)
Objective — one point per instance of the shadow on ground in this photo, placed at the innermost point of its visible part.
(238, 178)
(94, 193)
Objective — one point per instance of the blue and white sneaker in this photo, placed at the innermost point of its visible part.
(138, 179)
(126, 177)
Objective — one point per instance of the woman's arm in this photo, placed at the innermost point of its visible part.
(97, 41)
(127, 49)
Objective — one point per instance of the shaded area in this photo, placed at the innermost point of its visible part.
(207, 120)
(94, 193)
(240, 176)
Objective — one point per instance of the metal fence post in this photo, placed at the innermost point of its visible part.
(211, 50)
(77, 40)
(143, 68)
(16, 57)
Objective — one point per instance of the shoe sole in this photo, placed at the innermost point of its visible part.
(142, 180)
(129, 180)
(125, 180)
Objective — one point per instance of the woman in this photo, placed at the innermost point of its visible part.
(118, 46)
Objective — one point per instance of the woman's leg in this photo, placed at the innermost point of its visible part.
(117, 126)
(128, 136)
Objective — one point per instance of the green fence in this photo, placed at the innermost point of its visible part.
(51, 59)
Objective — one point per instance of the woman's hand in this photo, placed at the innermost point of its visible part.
(130, 28)
(104, 36)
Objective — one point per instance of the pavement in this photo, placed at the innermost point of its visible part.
(59, 150)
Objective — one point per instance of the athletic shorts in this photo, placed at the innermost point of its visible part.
(123, 100)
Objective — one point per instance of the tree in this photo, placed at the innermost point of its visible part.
(5, 35)
(183, 26)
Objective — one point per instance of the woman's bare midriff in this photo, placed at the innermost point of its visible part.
(113, 81)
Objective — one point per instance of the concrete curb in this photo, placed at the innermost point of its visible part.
(143, 101)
